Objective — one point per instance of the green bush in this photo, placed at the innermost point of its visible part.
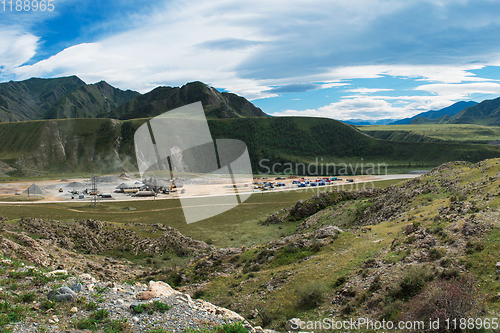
(435, 253)
(27, 297)
(94, 320)
(10, 313)
(117, 326)
(311, 295)
(339, 281)
(228, 328)
(412, 282)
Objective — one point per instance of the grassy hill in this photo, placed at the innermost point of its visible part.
(484, 113)
(72, 145)
(80, 145)
(162, 99)
(434, 132)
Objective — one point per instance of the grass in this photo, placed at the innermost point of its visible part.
(482, 265)
(446, 132)
(151, 308)
(329, 267)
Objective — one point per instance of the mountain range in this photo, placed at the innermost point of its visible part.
(70, 97)
(432, 115)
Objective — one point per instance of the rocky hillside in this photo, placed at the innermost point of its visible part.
(427, 247)
(31, 99)
(424, 248)
(67, 97)
(89, 100)
(216, 104)
(55, 277)
(70, 97)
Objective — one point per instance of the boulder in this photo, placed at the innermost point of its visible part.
(63, 294)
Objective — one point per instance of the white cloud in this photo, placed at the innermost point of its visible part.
(463, 90)
(361, 107)
(16, 48)
(368, 90)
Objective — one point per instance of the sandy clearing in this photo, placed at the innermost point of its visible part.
(212, 189)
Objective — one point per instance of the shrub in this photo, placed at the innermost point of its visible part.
(10, 313)
(198, 293)
(340, 281)
(444, 299)
(435, 254)
(375, 285)
(151, 307)
(93, 321)
(311, 295)
(228, 328)
(413, 280)
(27, 297)
(348, 309)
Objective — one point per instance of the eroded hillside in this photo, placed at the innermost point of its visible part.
(379, 254)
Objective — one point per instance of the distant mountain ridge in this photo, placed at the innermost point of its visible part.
(70, 97)
(431, 115)
(216, 104)
(363, 122)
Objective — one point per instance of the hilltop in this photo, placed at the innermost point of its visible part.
(469, 133)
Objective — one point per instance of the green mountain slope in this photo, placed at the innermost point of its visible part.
(89, 100)
(162, 99)
(484, 113)
(80, 145)
(31, 99)
(302, 139)
(430, 115)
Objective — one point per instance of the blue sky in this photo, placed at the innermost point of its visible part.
(364, 59)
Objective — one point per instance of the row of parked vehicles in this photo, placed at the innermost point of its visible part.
(319, 181)
(268, 185)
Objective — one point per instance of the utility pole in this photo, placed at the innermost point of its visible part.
(94, 189)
